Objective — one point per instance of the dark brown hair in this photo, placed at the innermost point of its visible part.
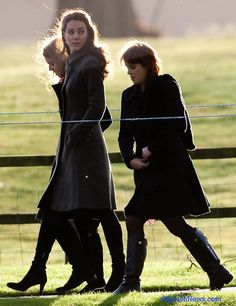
(79, 14)
(137, 52)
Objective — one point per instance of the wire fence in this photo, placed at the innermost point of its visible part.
(17, 241)
(47, 122)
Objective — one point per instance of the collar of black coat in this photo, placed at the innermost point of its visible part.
(80, 53)
(156, 81)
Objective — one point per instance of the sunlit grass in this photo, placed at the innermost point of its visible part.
(160, 280)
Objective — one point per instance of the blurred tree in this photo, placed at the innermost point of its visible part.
(114, 18)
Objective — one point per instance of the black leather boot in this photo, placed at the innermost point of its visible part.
(70, 242)
(35, 276)
(205, 255)
(116, 249)
(37, 272)
(136, 255)
(93, 249)
(75, 280)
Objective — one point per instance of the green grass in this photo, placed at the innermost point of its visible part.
(159, 281)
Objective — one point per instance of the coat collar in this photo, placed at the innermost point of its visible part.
(135, 90)
(75, 56)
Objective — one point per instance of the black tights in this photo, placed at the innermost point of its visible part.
(111, 228)
(176, 225)
(55, 226)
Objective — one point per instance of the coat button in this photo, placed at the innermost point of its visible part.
(86, 176)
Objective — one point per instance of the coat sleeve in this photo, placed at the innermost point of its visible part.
(125, 138)
(57, 89)
(165, 130)
(93, 80)
(106, 120)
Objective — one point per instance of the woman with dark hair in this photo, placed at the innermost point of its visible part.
(80, 193)
(166, 184)
(83, 185)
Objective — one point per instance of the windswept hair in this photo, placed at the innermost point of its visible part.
(50, 47)
(138, 52)
(99, 50)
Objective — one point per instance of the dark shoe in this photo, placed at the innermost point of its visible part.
(127, 287)
(35, 276)
(92, 286)
(75, 280)
(136, 255)
(205, 255)
(113, 234)
(219, 278)
(115, 280)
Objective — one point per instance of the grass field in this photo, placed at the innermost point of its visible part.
(206, 70)
(159, 283)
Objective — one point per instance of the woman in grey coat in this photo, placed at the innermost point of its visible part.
(166, 184)
(81, 185)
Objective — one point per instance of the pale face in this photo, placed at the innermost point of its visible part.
(52, 66)
(137, 73)
(76, 35)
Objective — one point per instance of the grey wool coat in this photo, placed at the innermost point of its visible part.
(169, 186)
(81, 175)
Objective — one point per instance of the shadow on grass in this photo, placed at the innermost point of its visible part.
(28, 300)
(172, 288)
(111, 300)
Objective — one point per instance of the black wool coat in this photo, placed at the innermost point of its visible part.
(169, 186)
(81, 176)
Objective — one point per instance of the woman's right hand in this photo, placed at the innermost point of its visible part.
(138, 163)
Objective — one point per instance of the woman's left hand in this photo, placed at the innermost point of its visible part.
(146, 153)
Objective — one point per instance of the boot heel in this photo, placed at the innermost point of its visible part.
(41, 288)
(220, 278)
(75, 280)
(35, 276)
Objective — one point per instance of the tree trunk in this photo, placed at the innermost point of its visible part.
(114, 18)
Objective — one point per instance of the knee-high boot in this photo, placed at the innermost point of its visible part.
(114, 241)
(93, 249)
(70, 242)
(35, 276)
(205, 255)
(37, 272)
(136, 255)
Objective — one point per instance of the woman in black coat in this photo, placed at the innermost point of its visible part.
(82, 184)
(87, 226)
(80, 191)
(154, 119)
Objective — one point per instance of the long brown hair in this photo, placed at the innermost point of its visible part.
(100, 51)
